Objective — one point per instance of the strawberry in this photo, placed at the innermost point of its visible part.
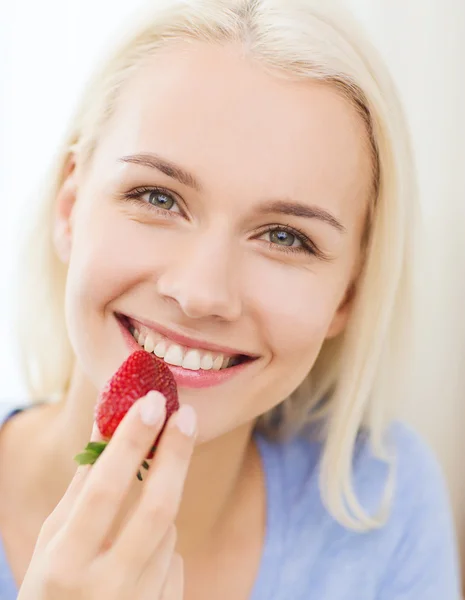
(139, 374)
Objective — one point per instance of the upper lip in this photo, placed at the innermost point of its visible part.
(189, 342)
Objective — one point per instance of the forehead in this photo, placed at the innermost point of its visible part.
(227, 119)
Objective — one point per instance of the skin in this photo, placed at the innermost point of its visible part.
(75, 556)
(209, 269)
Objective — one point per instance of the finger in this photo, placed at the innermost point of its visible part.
(174, 584)
(62, 510)
(162, 492)
(110, 479)
(155, 573)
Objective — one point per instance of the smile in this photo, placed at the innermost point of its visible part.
(193, 363)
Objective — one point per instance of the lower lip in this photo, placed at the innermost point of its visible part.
(187, 378)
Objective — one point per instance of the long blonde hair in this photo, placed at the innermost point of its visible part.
(348, 383)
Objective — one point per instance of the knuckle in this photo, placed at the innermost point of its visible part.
(133, 444)
(178, 448)
(102, 490)
(160, 513)
(127, 442)
(59, 576)
(49, 527)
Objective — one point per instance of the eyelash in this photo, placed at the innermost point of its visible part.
(307, 246)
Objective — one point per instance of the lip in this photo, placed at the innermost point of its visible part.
(188, 342)
(187, 378)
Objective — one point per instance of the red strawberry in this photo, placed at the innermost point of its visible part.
(139, 374)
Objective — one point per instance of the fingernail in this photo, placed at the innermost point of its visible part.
(152, 408)
(186, 420)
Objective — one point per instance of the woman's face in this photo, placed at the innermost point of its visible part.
(221, 217)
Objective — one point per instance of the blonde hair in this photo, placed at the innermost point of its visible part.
(347, 385)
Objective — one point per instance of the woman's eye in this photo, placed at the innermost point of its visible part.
(288, 239)
(154, 198)
(283, 238)
(161, 200)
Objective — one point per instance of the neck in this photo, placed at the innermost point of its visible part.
(56, 433)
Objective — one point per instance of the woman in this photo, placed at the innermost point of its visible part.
(234, 195)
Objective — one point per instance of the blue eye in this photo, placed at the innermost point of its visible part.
(161, 200)
(288, 239)
(282, 237)
(150, 198)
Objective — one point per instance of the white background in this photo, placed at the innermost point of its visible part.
(47, 49)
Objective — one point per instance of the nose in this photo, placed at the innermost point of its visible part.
(203, 281)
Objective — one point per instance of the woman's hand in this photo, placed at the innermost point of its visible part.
(74, 557)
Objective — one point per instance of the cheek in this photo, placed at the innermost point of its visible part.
(297, 307)
(110, 255)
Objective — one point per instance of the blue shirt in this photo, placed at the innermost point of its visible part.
(307, 555)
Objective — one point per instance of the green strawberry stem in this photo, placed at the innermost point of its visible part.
(91, 452)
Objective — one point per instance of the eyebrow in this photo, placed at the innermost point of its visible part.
(153, 161)
(296, 209)
(284, 207)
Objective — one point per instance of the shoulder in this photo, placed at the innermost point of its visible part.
(9, 409)
(416, 463)
(413, 555)
(419, 546)
(417, 479)
(414, 551)
(425, 556)
(414, 467)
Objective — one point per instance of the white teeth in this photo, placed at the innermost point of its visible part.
(149, 344)
(175, 355)
(160, 349)
(206, 362)
(217, 363)
(192, 360)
